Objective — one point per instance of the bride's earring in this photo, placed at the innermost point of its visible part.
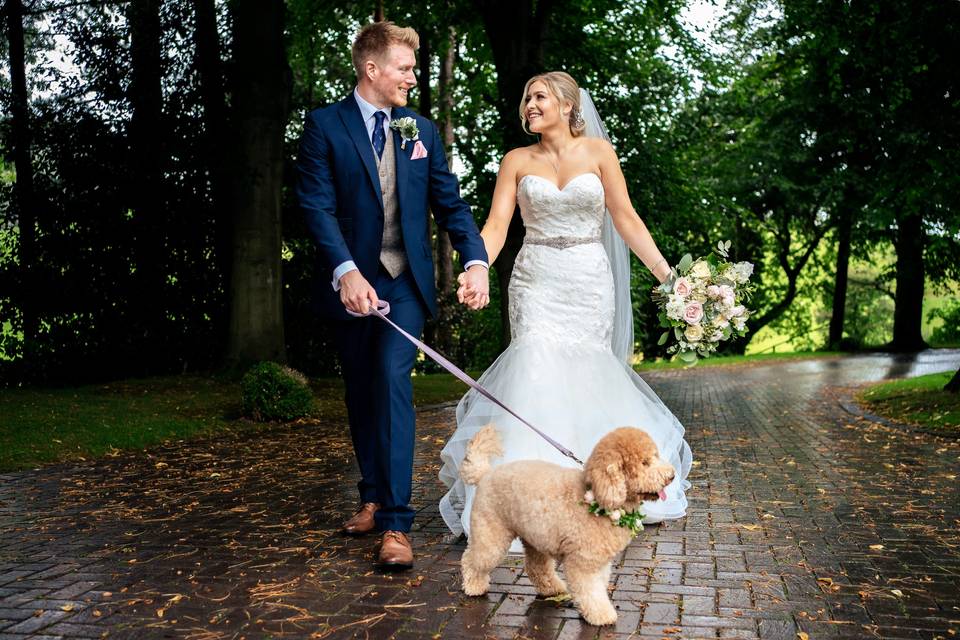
(578, 122)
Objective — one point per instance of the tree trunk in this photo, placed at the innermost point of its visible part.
(844, 227)
(445, 282)
(516, 30)
(210, 72)
(23, 196)
(954, 385)
(908, 310)
(432, 326)
(792, 273)
(146, 183)
(261, 101)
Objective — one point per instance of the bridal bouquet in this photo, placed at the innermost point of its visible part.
(702, 303)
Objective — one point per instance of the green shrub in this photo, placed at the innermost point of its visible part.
(270, 391)
(949, 331)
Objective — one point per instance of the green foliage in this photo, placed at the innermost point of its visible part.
(269, 391)
(947, 333)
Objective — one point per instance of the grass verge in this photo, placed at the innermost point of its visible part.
(918, 401)
(759, 358)
(43, 426)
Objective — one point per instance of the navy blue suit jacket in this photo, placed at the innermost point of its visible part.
(339, 193)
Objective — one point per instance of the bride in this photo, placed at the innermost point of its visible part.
(567, 369)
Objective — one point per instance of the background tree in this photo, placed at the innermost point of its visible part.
(260, 101)
(23, 193)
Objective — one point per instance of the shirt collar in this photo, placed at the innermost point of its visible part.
(366, 109)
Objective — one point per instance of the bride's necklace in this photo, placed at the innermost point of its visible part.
(546, 154)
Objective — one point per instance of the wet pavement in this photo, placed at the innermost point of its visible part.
(804, 521)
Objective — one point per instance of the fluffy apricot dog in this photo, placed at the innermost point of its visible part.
(543, 504)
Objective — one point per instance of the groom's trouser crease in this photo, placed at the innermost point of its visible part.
(376, 363)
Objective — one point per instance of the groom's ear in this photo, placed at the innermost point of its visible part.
(370, 70)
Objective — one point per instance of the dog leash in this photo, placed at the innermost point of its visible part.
(381, 311)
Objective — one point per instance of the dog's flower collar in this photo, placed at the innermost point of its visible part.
(626, 519)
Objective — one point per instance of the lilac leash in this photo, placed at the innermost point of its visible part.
(381, 311)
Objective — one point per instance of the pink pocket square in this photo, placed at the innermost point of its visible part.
(419, 151)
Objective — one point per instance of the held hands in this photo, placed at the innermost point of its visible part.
(474, 290)
(356, 294)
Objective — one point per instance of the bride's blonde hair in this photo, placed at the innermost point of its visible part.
(565, 89)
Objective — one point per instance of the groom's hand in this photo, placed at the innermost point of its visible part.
(356, 294)
(474, 288)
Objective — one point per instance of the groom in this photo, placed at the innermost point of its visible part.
(366, 189)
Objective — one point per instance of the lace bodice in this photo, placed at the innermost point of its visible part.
(577, 210)
(561, 289)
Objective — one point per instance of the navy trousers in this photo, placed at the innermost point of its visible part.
(376, 362)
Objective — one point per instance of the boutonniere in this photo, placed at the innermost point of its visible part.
(407, 128)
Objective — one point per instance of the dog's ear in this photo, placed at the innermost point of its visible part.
(604, 473)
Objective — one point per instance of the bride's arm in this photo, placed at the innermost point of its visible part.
(628, 224)
(504, 202)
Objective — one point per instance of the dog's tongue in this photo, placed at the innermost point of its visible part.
(662, 494)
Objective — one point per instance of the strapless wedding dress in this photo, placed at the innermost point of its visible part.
(559, 372)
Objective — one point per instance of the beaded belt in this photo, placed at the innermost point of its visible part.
(562, 242)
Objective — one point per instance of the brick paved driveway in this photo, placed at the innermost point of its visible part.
(803, 519)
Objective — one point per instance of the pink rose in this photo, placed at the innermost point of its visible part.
(727, 293)
(682, 287)
(693, 312)
(713, 291)
(738, 310)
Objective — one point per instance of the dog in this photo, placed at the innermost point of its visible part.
(545, 505)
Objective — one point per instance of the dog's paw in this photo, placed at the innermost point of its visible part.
(600, 616)
(475, 587)
(554, 588)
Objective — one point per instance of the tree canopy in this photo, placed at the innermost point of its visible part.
(148, 222)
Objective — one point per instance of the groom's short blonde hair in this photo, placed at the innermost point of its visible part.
(375, 39)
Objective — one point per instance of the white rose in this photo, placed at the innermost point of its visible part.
(693, 333)
(615, 515)
(739, 323)
(700, 269)
(721, 321)
(737, 311)
(589, 497)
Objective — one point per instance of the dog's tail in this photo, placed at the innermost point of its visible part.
(483, 446)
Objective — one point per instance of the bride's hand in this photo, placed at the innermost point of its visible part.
(474, 290)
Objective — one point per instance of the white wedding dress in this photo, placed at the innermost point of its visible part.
(559, 372)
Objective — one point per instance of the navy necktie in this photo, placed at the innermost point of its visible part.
(379, 138)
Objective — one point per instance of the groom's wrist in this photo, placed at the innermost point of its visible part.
(342, 270)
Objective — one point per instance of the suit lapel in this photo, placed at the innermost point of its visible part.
(402, 155)
(353, 121)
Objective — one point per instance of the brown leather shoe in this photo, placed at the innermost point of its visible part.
(395, 554)
(362, 521)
